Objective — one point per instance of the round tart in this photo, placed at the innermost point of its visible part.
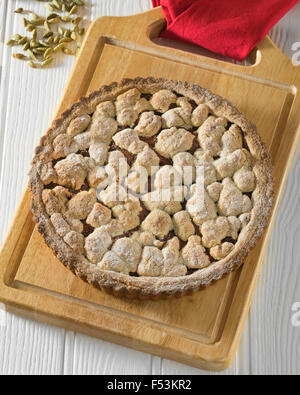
(150, 188)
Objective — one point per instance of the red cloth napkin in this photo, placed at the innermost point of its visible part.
(228, 27)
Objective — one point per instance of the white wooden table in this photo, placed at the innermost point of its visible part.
(28, 99)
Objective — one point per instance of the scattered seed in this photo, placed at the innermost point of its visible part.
(59, 47)
(49, 40)
(32, 64)
(67, 33)
(34, 34)
(16, 37)
(78, 2)
(67, 51)
(10, 43)
(56, 39)
(25, 22)
(53, 20)
(22, 41)
(47, 26)
(33, 44)
(46, 62)
(65, 40)
(50, 7)
(51, 16)
(48, 53)
(77, 20)
(19, 56)
(37, 22)
(65, 18)
(56, 4)
(73, 36)
(26, 46)
(31, 54)
(33, 15)
(73, 10)
(42, 49)
(31, 27)
(48, 34)
(43, 43)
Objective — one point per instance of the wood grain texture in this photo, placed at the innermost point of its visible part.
(269, 324)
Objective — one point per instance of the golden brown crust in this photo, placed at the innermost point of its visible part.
(150, 287)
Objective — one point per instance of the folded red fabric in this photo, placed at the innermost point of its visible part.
(228, 27)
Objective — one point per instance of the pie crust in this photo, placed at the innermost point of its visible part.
(133, 240)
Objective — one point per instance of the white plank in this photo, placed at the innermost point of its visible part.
(287, 31)
(275, 343)
(27, 104)
(94, 357)
(30, 348)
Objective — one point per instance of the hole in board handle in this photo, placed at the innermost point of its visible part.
(157, 27)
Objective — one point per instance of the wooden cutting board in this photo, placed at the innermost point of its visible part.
(202, 330)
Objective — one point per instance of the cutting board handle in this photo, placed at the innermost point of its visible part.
(266, 54)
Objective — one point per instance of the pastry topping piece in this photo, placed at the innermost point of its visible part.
(71, 172)
(100, 215)
(179, 116)
(210, 134)
(99, 152)
(78, 125)
(201, 207)
(149, 124)
(162, 100)
(112, 262)
(221, 251)
(128, 139)
(129, 251)
(168, 200)
(171, 141)
(103, 125)
(214, 231)
(129, 105)
(96, 244)
(47, 173)
(231, 140)
(147, 159)
(61, 226)
(113, 195)
(158, 222)
(137, 180)
(56, 199)
(162, 263)
(232, 201)
(117, 167)
(245, 180)
(151, 263)
(199, 115)
(82, 204)
(183, 225)
(128, 214)
(194, 255)
(76, 241)
(167, 177)
(227, 166)
(214, 190)
(185, 164)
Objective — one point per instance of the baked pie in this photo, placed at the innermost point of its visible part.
(151, 188)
